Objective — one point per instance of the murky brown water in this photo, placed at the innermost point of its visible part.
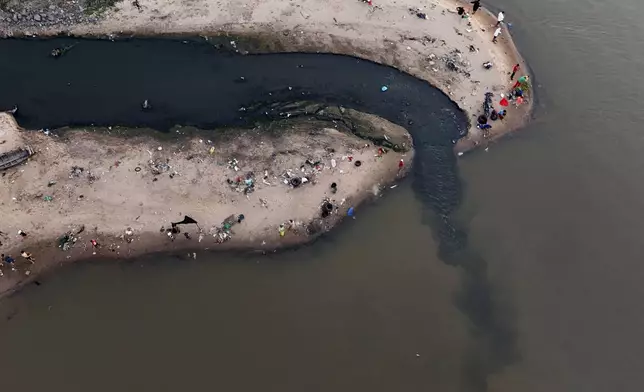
(554, 210)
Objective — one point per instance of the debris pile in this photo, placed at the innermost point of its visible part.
(327, 208)
(224, 232)
(245, 184)
(69, 239)
(418, 13)
(78, 172)
(454, 62)
(233, 164)
(158, 166)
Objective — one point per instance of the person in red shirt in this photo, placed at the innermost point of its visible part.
(514, 71)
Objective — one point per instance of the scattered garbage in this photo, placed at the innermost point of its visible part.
(224, 232)
(351, 212)
(487, 65)
(48, 198)
(358, 163)
(233, 164)
(22, 233)
(327, 208)
(295, 181)
(76, 172)
(334, 187)
(51, 183)
(67, 241)
(245, 185)
(159, 166)
(58, 52)
(384, 88)
(487, 104)
(171, 231)
(282, 230)
(146, 105)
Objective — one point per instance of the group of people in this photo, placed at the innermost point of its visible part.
(499, 24)
(11, 262)
(476, 5)
(515, 95)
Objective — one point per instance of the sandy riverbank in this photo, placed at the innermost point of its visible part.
(436, 48)
(125, 192)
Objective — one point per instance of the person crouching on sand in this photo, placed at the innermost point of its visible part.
(10, 261)
(27, 256)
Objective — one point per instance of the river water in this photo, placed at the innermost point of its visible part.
(538, 290)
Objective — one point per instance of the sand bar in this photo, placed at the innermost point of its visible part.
(124, 188)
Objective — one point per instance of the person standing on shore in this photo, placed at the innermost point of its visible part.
(476, 5)
(514, 71)
(499, 18)
(497, 32)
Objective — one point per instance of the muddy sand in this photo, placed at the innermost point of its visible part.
(124, 192)
(426, 39)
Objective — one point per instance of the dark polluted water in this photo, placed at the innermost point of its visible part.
(192, 83)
